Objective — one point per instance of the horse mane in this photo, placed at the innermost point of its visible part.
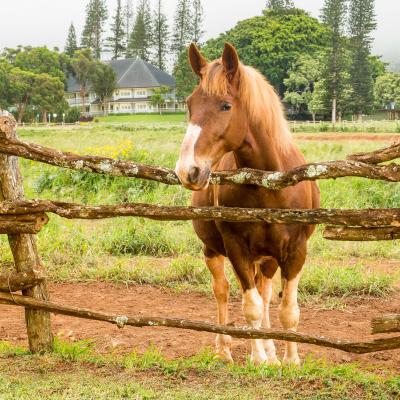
(259, 98)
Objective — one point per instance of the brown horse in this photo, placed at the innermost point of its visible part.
(237, 121)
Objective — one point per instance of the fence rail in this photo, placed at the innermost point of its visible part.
(243, 333)
(354, 218)
(352, 167)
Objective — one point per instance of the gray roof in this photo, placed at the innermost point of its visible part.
(132, 73)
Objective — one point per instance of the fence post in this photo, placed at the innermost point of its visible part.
(23, 246)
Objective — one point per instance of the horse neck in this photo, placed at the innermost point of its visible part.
(259, 151)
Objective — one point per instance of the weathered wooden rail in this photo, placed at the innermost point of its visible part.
(238, 332)
(21, 219)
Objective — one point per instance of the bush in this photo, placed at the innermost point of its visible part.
(73, 115)
(324, 128)
(87, 118)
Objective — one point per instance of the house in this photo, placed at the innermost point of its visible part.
(136, 81)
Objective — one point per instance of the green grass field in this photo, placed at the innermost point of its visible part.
(148, 118)
(129, 250)
(75, 372)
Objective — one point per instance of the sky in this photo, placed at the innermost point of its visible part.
(46, 22)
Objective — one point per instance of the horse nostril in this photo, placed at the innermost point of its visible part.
(194, 173)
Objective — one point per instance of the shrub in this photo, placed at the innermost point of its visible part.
(324, 128)
(73, 115)
(88, 118)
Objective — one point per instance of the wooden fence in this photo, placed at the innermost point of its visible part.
(21, 220)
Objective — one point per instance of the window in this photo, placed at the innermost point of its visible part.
(125, 94)
(141, 106)
(141, 93)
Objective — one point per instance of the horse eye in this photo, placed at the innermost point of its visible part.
(226, 107)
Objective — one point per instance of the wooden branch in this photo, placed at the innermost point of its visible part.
(23, 246)
(12, 224)
(365, 218)
(386, 324)
(14, 281)
(378, 156)
(268, 180)
(355, 234)
(244, 333)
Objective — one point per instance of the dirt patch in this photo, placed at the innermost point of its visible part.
(353, 137)
(352, 323)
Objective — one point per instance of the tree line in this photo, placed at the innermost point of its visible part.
(320, 66)
(142, 32)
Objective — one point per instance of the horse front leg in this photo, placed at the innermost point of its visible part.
(268, 269)
(220, 284)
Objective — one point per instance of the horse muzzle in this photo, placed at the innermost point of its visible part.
(194, 177)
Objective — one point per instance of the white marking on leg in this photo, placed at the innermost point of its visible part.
(289, 315)
(253, 312)
(268, 343)
(186, 159)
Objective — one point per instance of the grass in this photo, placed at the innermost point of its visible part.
(77, 371)
(347, 127)
(148, 118)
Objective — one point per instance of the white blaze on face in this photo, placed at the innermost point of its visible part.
(186, 159)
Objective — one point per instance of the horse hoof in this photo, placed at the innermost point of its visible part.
(224, 356)
(292, 361)
(273, 362)
(257, 359)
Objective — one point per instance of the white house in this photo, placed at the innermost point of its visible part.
(136, 80)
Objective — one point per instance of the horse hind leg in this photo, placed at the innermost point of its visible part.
(220, 284)
(289, 312)
(268, 269)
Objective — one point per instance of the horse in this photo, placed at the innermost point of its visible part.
(236, 120)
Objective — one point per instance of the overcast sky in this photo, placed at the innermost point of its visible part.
(46, 22)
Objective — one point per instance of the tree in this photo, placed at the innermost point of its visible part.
(198, 21)
(387, 90)
(279, 5)
(272, 43)
(21, 86)
(140, 40)
(116, 42)
(92, 36)
(128, 21)
(161, 36)
(334, 15)
(361, 24)
(104, 82)
(317, 103)
(301, 85)
(10, 54)
(185, 79)
(182, 27)
(71, 45)
(158, 97)
(5, 68)
(40, 60)
(48, 95)
(83, 65)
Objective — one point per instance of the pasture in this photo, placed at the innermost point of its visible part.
(158, 268)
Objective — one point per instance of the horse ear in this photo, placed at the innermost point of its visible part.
(197, 61)
(230, 60)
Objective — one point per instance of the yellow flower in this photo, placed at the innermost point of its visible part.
(119, 151)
